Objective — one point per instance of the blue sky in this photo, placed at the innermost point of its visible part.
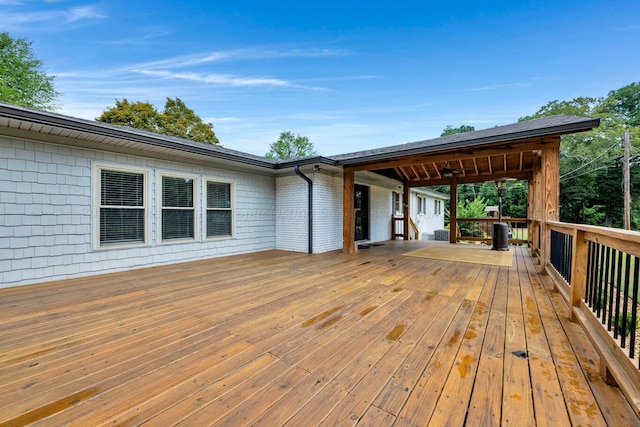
(350, 75)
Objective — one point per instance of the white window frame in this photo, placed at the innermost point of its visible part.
(195, 208)
(97, 205)
(395, 196)
(437, 209)
(422, 205)
(206, 209)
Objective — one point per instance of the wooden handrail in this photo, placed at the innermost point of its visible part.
(615, 365)
(415, 229)
(492, 219)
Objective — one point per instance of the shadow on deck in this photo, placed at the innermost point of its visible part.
(277, 338)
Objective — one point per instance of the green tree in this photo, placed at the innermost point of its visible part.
(22, 80)
(290, 146)
(624, 102)
(590, 162)
(176, 119)
(450, 130)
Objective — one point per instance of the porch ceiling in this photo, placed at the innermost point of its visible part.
(467, 166)
(485, 155)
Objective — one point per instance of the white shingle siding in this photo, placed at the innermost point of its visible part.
(46, 214)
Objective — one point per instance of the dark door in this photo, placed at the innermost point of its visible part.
(361, 204)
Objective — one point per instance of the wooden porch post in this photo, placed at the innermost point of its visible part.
(406, 210)
(550, 195)
(578, 271)
(348, 218)
(453, 211)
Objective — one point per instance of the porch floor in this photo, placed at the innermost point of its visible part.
(279, 338)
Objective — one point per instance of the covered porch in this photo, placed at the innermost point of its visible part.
(281, 338)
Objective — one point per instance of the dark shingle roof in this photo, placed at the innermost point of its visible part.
(555, 125)
(546, 126)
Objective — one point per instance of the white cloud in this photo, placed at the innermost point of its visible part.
(519, 85)
(222, 79)
(15, 20)
(83, 12)
(241, 55)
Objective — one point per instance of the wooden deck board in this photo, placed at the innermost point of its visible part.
(276, 338)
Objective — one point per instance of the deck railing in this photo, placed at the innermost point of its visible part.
(481, 229)
(598, 272)
(397, 228)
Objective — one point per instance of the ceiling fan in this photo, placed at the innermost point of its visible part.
(447, 171)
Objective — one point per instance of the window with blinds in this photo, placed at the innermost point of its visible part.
(178, 207)
(122, 207)
(219, 209)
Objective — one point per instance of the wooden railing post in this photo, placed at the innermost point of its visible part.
(578, 270)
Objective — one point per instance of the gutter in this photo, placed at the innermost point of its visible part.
(296, 168)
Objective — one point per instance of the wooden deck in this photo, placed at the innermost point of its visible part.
(280, 338)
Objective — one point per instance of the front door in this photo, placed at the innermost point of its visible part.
(361, 204)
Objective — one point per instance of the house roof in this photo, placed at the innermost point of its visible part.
(554, 125)
(105, 135)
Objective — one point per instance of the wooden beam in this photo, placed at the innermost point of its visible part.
(415, 171)
(450, 156)
(401, 173)
(521, 157)
(406, 208)
(426, 172)
(550, 197)
(471, 179)
(453, 211)
(349, 218)
(435, 166)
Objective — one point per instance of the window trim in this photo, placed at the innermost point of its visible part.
(97, 205)
(205, 209)
(396, 197)
(196, 207)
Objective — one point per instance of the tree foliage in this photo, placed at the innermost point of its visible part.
(176, 119)
(290, 146)
(591, 162)
(22, 80)
(450, 130)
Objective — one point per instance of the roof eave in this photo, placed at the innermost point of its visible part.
(130, 134)
(581, 126)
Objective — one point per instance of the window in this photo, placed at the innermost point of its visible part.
(219, 216)
(437, 207)
(121, 197)
(422, 205)
(178, 207)
(396, 202)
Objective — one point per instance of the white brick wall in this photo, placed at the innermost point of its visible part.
(380, 214)
(327, 212)
(292, 214)
(46, 214)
